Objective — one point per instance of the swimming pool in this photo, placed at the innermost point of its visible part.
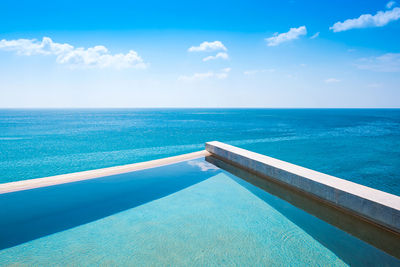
(188, 213)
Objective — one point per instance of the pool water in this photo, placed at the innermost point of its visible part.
(186, 214)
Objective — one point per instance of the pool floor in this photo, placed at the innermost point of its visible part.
(215, 221)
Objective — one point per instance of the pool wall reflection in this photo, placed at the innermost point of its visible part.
(373, 234)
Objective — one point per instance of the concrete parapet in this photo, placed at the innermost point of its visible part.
(374, 205)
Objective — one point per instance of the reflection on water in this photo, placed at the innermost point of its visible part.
(30, 214)
(187, 214)
(377, 236)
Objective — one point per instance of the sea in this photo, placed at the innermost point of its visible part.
(359, 145)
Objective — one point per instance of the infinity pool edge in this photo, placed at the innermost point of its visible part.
(97, 173)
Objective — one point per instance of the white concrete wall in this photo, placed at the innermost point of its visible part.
(380, 207)
(93, 174)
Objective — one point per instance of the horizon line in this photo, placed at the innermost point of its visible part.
(4, 108)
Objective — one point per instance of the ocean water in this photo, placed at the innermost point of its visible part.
(360, 145)
(186, 214)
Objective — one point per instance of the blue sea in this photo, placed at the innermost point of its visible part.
(360, 145)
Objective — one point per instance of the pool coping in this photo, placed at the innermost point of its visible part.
(372, 204)
(97, 173)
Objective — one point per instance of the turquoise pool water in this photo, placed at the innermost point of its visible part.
(361, 145)
(186, 214)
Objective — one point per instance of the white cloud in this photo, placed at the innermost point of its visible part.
(292, 34)
(92, 57)
(367, 20)
(315, 35)
(196, 76)
(389, 62)
(390, 4)
(222, 74)
(208, 46)
(204, 166)
(28, 47)
(221, 55)
(332, 80)
(252, 72)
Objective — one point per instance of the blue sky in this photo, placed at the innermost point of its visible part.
(199, 54)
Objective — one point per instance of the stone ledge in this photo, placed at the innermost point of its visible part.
(92, 174)
(380, 207)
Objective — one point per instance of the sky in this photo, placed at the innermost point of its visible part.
(289, 54)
